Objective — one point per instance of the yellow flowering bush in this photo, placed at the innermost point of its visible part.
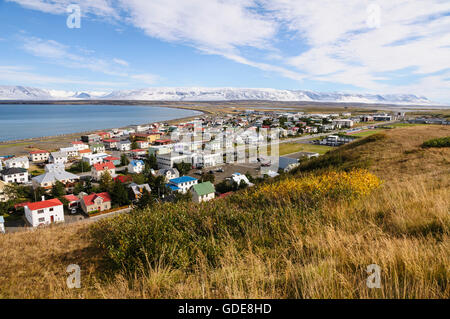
(314, 188)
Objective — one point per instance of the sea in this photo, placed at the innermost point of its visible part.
(23, 121)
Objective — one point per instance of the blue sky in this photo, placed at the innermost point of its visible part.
(325, 45)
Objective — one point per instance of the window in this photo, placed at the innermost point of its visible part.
(40, 211)
(51, 209)
(42, 219)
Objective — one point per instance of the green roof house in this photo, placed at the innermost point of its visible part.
(202, 192)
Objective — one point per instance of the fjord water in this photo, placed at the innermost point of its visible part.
(21, 121)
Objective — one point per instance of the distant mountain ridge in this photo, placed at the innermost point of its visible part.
(210, 94)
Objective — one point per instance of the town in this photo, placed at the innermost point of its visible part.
(210, 157)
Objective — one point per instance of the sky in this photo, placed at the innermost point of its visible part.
(356, 46)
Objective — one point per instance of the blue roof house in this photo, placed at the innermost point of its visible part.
(182, 184)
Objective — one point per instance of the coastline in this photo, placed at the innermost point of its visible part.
(23, 146)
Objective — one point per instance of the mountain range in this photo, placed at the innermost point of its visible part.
(210, 94)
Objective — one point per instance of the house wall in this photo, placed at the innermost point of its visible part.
(204, 198)
(16, 178)
(43, 216)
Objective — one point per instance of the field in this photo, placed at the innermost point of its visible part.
(365, 133)
(382, 200)
(288, 148)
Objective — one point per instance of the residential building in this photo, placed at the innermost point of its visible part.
(14, 175)
(168, 173)
(111, 143)
(182, 184)
(238, 178)
(159, 149)
(39, 156)
(98, 169)
(203, 192)
(72, 201)
(143, 144)
(124, 146)
(79, 145)
(112, 159)
(98, 148)
(92, 159)
(168, 160)
(138, 152)
(17, 162)
(54, 173)
(205, 159)
(137, 191)
(136, 166)
(91, 138)
(44, 212)
(96, 202)
(149, 137)
(70, 151)
(58, 158)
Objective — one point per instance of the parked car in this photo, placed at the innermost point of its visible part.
(219, 170)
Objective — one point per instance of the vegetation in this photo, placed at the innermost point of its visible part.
(437, 142)
(380, 200)
(183, 168)
(124, 161)
(80, 167)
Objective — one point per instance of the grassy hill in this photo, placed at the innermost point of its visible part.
(383, 200)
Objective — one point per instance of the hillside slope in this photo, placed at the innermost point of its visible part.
(266, 242)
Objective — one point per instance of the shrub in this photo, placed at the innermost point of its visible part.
(181, 234)
(437, 142)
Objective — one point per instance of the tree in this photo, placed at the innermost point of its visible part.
(58, 190)
(208, 177)
(249, 177)
(183, 167)
(124, 161)
(139, 178)
(119, 194)
(134, 145)
(151, 161)
(182, 197)
(224, 187)
(242, 185)
(79, 167)
(106, 182)
(78, 188)
(146, 200)
(157, 185)
(88, 187)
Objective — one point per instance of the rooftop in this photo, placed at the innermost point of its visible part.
(182, 179)
(44, 204)
(204, 188)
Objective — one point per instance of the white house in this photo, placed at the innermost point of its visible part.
(21, 162)
(92, 159)
(58, 158)
(168, 160)
(343, 123)
(53, 173)
(39, 156)
(238, 177)
(44, 212)
(168, 173)
(205, 159)
(14, 175)
(203, 192)
(98, 148)
(79, 145)
(182, 184)
(136, 166)
(124, 145)
(70, 151)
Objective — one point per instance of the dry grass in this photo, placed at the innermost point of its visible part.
(403, 227)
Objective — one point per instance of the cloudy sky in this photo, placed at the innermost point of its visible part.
(383, 46)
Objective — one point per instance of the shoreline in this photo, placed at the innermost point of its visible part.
(21, 147)
(31, 139)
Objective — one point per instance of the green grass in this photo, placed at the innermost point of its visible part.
(288, 148)
(14, 144)
(365, 133)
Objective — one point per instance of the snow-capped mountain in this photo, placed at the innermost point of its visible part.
(209, 94)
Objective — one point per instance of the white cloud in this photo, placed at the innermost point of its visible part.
(121, 62)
